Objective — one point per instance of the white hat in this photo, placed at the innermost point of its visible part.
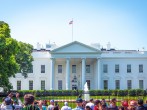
(65, 103)
(51, 101)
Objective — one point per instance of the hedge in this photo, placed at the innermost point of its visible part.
(131, 92)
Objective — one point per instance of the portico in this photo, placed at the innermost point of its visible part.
(76, 56)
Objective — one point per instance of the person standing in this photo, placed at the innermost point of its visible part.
(79, 104)
(66, 107)
(97, 105)
(51, 106)
(90, 104)
(140, 105)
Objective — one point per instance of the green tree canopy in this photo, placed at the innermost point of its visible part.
(14, 56)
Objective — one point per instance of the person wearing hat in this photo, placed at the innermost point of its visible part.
(51, 106)
(87, 108)
(66, 107)
(8, 105)
(79, 104)
(90, 104)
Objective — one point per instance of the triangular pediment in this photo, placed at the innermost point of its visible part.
(75, 47)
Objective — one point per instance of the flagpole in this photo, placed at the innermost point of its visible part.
(72, 30)
(71, 23)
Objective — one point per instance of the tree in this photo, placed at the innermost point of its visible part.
(24, 58)
(13, 54)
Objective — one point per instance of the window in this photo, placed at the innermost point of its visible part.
(105, 84)
(116, 68)
(105, 68)
(59, 68)
(42, 68)
(59, 84)
(129, 84)
(31, 85)
(18, 85)
(140, 68)
(117, 84)
(140, 84)
(73, 68)
(129, 68)
(87, 68)
(88, 84)
(42, 84)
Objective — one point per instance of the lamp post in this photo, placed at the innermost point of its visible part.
(44, 92)
(146, 92)
(136, 94)
(109, 95)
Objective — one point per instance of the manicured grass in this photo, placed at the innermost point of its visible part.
(94, 97)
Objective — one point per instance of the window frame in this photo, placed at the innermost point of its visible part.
(140, 68)
(128, 68)
(42, 84)
(18, 85)
(116, 68)
(30, 84)
(74, 69)
(129, 84)
(87, 68)
(60, 84)
(117, 84)
(141, 86)
(105, 68)
(105, 82)
(42, 68)
(60, 69)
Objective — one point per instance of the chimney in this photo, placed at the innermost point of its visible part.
(108, 46)
(38, 46)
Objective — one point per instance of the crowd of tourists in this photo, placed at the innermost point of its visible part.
(31, 104)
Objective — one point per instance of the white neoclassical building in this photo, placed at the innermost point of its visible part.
(70, 66)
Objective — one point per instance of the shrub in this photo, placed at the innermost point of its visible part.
(131, 92)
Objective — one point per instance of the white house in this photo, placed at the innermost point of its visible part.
(70, 66)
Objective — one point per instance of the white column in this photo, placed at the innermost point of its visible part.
(99, 73)
(67, 74)
(83, 72)
(52, 73)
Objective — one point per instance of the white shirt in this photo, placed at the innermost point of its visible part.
(66, 108)
(7, 107)
(50, 107)
(91, 105)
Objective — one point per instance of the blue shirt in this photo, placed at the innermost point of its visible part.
(78, 108)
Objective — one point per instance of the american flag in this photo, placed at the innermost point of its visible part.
(71, 22)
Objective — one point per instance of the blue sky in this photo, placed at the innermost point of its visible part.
(123, 23)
